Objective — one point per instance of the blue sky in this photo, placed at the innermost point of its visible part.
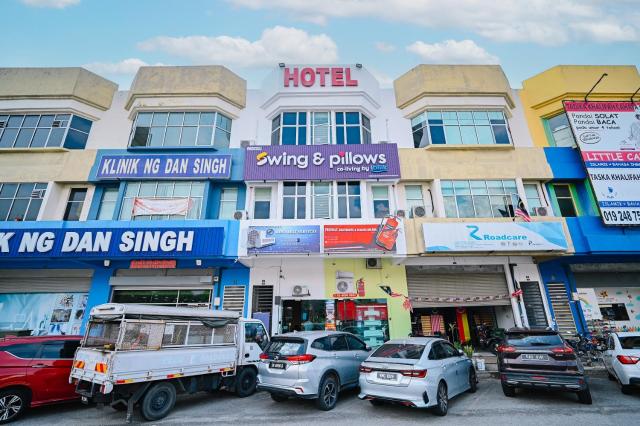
(114, 37)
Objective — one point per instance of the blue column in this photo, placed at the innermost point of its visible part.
(98, 293)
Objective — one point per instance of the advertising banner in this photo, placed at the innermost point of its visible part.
(608, 135)
(161, 206)
(283, 239)
(494, 236)
(322, 162)
(111, 243)
(589, 304)
(164, 166)
(359, 238)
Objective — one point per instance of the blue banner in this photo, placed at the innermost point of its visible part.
(164, 166)
(112, 243)
(283, 239)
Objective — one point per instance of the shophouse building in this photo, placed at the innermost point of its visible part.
(591, 145)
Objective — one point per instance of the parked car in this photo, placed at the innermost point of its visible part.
(311, 365)
(622, 359)
(538, 358)
(34, 371)
(417, 372)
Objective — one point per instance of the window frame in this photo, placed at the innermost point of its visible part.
(125, 204)
(254, 200)
(512, 196)
(69, 204)
(409, 205)
(542, 201)
(297, 197)
(64, 116)
(223, 201)
(373, 200)
(572, 197)
(364, 126)
(347, 198)
(551, 133)
(35, 186)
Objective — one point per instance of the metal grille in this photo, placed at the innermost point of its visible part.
(233, 298)
(262, 298)
(561, 308)
(533, 304)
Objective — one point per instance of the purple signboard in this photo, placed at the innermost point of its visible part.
(322, 162)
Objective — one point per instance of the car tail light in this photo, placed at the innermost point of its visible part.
(264, 356)
(565, 350)
(420, 374)
(364, 369)
(628, 359)
(506, 348)
(300, 359)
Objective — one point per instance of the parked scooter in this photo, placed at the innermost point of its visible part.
(489, 338)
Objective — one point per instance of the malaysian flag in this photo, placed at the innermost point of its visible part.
(521, 211)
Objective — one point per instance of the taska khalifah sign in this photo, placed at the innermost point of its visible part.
(163, 166)
(322, 162)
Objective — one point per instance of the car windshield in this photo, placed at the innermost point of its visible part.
(527, 339)
(286, 347)
(102, 333)
(398, 350)
(630, 342)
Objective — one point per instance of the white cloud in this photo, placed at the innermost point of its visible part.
(452, 52)
(125, 67)
(548, 22)
(384, 46)
(277, 44)
(56, 4)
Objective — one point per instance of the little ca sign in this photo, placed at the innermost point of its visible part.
(322, 76)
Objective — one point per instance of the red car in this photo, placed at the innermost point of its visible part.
(35, 371)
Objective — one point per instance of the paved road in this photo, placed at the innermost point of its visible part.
(486, 407)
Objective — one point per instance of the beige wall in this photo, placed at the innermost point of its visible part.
(46, 166)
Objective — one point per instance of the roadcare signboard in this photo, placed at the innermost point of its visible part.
(608, 135)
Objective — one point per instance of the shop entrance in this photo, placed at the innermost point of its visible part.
(366, 318)
(457, 324)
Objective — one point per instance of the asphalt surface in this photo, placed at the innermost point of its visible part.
(487, 406)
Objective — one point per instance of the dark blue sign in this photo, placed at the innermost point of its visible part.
(112, 243)
(165, 166)
(283, 239)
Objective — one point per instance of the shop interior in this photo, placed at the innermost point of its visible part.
(457, 324)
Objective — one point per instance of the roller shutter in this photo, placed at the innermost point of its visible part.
(606, 279)
(45, 280)
(427, 284)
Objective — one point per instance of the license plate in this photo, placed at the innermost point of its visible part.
(387, 376)
(534, 357)
(279, 365)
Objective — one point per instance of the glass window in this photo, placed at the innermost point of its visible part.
(565, 200)
(530, 339)
(532, 191)
(460, 128)
(320, 128)
(255, 333)
(23, 350)
(399, 351)
(356, 344)
(380, 200)
(192, 192)
(262, 203)
(322, 200)
(294, 200)
(228, 203)
(349, 200)
(479, 198)
(414, 197)
(630, 342)
(46, 130)
(292, 126)
(561, 131)
(338, 343)
(285, 346)
(75, 203)
(63, 349)
(181, 129)
(21, 201)
(352, 128)
(200, 298)
(108, 203)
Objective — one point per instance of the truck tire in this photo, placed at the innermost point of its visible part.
(246, 381)
(158, 401)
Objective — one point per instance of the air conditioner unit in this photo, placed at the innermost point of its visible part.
(373, 263)
(239, 215)
(38, 194)
(541, 211)
(300, 290)
(418, 211)
(344, 282)
(247, 142)
(401, 213)
(258, 239)
(3, 124)
(56, 123)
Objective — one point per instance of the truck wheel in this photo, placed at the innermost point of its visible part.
(13, 403)
(246, 382)
(158, 401)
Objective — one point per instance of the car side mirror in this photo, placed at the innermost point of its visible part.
(367, 348)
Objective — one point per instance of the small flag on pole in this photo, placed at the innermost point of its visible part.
(521, 211)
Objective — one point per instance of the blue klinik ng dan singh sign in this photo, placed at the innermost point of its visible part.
(159, 166)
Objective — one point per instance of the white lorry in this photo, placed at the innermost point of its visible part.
(143, 355)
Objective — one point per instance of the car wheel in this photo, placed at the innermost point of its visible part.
(246, 382)
(473, 380)
(328, 394)
(278, 397)
(508, 391)
(376, 402)
(626, 389)
(584, 396)
(13, 404)
(442, 400)
(158, 401)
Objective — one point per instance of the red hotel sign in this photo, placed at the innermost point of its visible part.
(323, 76)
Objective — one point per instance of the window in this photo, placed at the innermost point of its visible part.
(561, 131)
(21, 201)
(399, 351)
(529, 339)
(352, 128)
(460, 128)
(320, 128)
(449, 350)
(355, 344)
(317, 128)
(287, 346)
(228, 203)
(255, 333)
(294, 200)
(181, 129)
(338, 343)
(380, 201)
(532, 192)
(63, 349)
(322, 200)
(193, 191)
(614, 312)
(479, 198)
(108, 203)
(200, 298)
(46, 130)
(291, 127)
(262, 203)
(349, 200)
(74, 204)
(413, 194)
(23, 350)
(564, 199)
